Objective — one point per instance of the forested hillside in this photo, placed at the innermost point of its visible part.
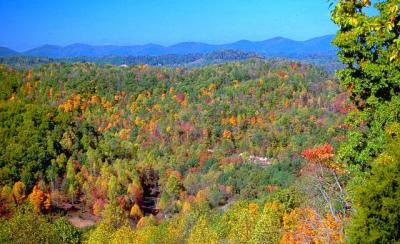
(187, 60)
(248, 151)
(160, 145)
(328, 62)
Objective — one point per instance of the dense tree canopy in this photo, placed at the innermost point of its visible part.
(239, 152)
(157, 142)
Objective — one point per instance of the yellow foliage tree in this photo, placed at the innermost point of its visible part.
(136, 212)
(268, 228)
(186, 207)
(241, 219)
(201, 195)
(19, 192)
(202, 233)
(6, 194)
(123, 235)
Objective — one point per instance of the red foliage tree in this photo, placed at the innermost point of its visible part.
(320, 153)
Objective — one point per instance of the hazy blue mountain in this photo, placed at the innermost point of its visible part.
(6, 52)
(192, 47)
(280, 46)
(275, 47)
(46, 51)
(320, 44)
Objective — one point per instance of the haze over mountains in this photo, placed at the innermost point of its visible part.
(278, 46)
(5, 52)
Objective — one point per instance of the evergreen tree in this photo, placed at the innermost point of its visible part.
(376, 200)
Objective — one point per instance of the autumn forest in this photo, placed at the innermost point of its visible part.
(253, 150)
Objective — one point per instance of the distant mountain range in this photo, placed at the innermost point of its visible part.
(6, 52)
(276, 47)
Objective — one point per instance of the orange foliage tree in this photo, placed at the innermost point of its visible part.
(39, 200)
(304, 225)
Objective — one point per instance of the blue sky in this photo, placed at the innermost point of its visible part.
(26, 24)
